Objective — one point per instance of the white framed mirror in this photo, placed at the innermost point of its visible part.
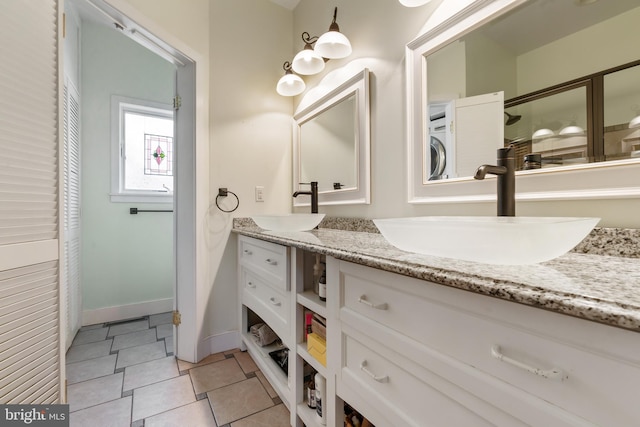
(332, 145)
(570, 56)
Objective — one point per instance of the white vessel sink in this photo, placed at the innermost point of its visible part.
(288, 222)
(490, 240)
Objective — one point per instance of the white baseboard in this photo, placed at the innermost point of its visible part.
(218, 343)
(123, 312)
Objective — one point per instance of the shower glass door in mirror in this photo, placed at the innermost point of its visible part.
(328, 147)
(553, 126)
(622, 114)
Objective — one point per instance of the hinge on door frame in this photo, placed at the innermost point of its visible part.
(177, 102)
(177, 319)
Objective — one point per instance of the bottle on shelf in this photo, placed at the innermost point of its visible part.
(322, 284)
(320, 393)
(317, 266)
(311, 393)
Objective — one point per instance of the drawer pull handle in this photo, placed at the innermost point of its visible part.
(274, 301)
(251, 285)
(271, 261)
(363, 368)
(553, 373)
(248, 252)
(363, 300)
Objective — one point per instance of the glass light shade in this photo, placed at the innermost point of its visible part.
(572, 130)
(290, 85)
(635, 122)
(414, 3)
(307, 62)
(542, 133)
(333, 45)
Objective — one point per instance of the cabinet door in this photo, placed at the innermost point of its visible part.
(479, 131)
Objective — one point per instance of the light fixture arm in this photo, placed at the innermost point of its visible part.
(309, 40)
(334, 24)
(287, 67)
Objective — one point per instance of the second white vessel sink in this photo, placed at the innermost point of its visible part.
(288, 222)
(489, 240)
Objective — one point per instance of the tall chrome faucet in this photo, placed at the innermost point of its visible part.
(505, 170)
(313, 193)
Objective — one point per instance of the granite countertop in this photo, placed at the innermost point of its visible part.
(601, 288)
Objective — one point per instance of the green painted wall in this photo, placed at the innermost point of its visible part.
(126, 259)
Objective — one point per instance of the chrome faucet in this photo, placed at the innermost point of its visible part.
(313, 193)
(505, 170)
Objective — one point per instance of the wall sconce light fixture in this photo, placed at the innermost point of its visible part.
(307, 61)
(290, 84)
(333, 44)
(311, 59)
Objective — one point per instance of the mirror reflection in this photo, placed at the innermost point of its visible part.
(328, 147)
(331, 143)
(569, 73)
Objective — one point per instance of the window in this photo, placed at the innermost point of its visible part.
(142, 151)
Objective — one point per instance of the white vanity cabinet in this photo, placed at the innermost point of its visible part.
(275, 283)
(264, 288)
(408, 352)
(417, 353)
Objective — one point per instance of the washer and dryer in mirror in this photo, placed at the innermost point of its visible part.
(440, 154)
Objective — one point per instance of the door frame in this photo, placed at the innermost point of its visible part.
(192, 167)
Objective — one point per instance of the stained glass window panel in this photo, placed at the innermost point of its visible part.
(158, 153)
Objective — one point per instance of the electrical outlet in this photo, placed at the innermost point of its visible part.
(259, 193)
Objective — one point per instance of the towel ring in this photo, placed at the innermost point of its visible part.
(223, 193)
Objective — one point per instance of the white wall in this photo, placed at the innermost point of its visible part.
(378, 30)
(250, 134)
(126, 259)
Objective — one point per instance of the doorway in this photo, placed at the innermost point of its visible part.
(181, 223)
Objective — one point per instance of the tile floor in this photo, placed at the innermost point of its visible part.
(126, 375)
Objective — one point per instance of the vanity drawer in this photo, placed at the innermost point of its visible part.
(400, 392)
(270, 304)
(519, 345)
(268, 260)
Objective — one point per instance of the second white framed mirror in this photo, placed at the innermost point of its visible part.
(331, 145)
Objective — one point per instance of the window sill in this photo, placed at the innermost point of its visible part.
(141, 198)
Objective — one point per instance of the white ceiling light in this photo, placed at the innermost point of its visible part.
(542, 133)
(290, 84)
(414, 3)
(572, 130)
(635, 122)
(307, 61)
(333, 44)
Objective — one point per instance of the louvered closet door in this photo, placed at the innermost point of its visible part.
(71, 183)
(29, 276)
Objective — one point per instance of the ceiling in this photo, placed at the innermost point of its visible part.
(287, 4)
(539, 22)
